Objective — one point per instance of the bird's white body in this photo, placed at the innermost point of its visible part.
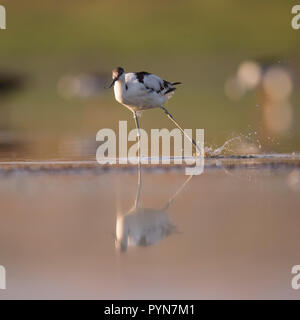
(141, 91)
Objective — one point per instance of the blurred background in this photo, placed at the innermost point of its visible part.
(232, 232)
(238, 61)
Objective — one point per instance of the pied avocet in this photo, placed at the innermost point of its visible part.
(139, 91)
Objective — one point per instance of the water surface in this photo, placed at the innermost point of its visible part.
(78, 230)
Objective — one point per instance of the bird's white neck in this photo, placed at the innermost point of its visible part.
(120, 88)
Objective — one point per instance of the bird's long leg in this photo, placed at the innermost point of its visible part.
(138, 193)
(178, 126)
(138, 135)
(137, 124)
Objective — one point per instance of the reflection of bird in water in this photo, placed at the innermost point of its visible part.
(144, 226)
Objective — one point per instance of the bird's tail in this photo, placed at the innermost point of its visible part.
(169, 93)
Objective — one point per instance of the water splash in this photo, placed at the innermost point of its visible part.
(241, 144)
(215, 152)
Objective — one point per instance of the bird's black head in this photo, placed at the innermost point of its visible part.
(116, 74)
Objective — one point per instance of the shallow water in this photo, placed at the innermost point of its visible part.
(77, 230)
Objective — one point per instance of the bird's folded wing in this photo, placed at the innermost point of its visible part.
(153, 82)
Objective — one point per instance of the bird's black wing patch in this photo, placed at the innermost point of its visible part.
(166, 84)
(140, 75)
(170, 90)
(149, 89)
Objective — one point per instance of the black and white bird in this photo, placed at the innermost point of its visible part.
(139, 91)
